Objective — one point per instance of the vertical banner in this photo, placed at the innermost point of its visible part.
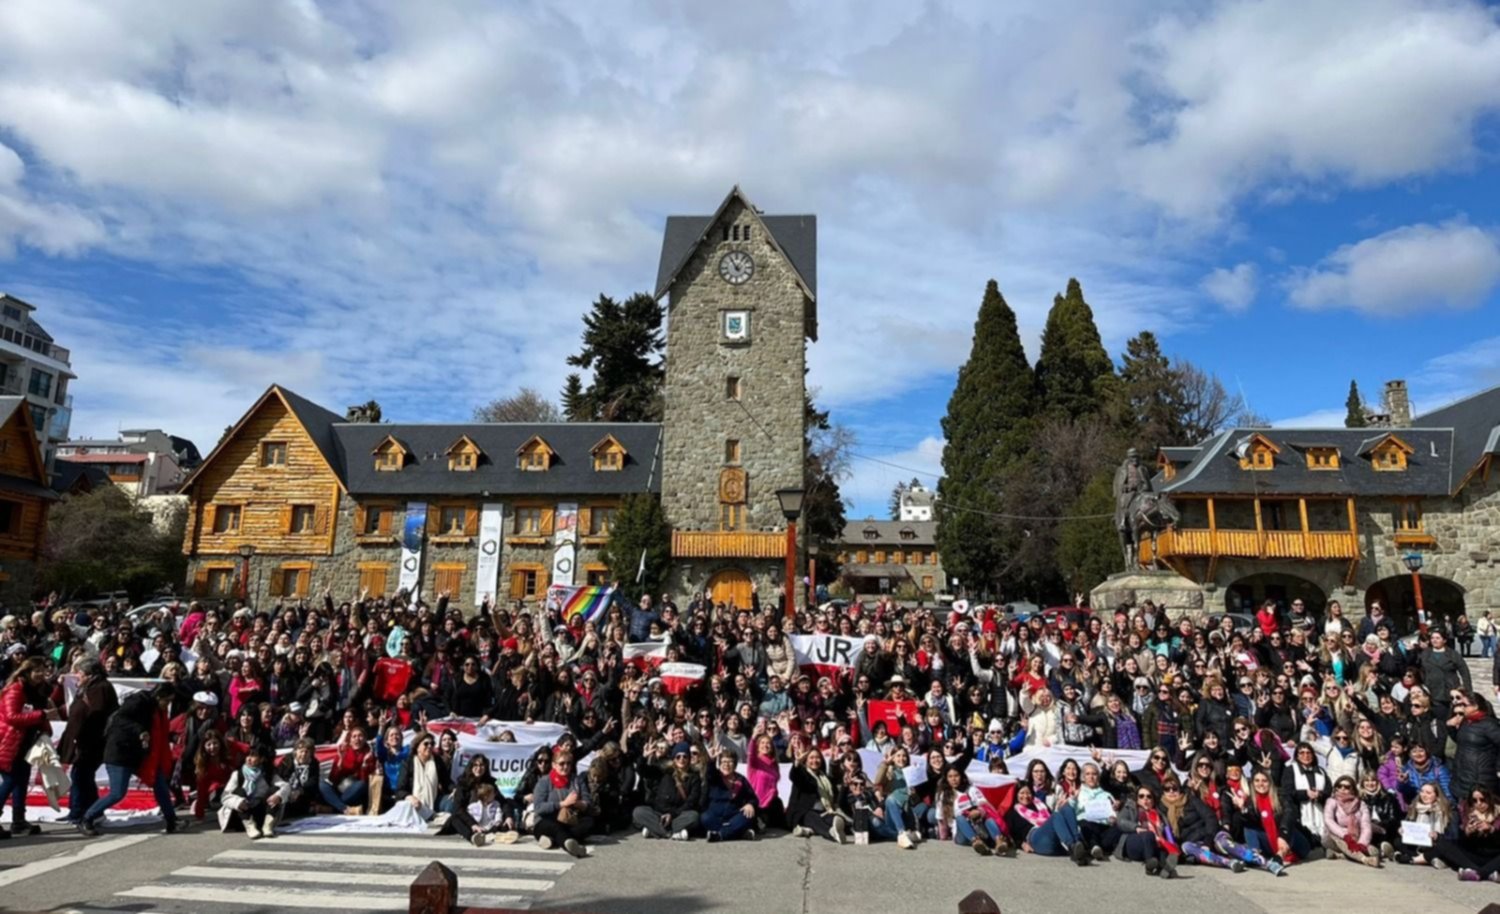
(487, 571)
(565, 543)
(413, 531)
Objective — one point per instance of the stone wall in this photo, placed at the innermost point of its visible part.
(699, 417)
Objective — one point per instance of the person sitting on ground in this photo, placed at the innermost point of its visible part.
(253, 798)
(730, 810)
(673, 810)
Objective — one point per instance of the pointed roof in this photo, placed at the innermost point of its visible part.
(315, 420)
(1370, 444)
(37, 483)
(460, 442)
(391, 439)
(795, 236)
(606, 441)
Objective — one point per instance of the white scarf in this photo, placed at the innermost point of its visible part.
(1312, 813)
(424, 784)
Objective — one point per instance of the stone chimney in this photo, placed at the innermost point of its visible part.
(1397, 405)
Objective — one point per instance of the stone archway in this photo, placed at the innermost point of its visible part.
(1246, 594)
(730, 586)
(1440, 597)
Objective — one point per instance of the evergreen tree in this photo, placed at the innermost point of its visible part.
(897, 491)
(639, 526)
(1354, 416)
(826, 460)
(1152, 395)
(1074, 374)
(622, 345)
(987, 428)
(1088, 549)
(573, 406)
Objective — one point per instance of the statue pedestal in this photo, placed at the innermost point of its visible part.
(1166, 589)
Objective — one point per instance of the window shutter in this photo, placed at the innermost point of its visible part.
(585, 516)
(385, 521)
(320, 520)
(208, 518)
(471, 522)
(360, 518)
(286, 518)
(377, 582)
(276, 582)
(547, 521)
(543, 581)
(517, 584)
(200, 583)
(304, 582)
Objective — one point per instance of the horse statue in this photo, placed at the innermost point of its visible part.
(1148, 515)
(1139, 509)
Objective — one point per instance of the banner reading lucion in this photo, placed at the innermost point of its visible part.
(413, 531)
(487, 569)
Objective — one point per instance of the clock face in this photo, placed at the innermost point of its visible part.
(736, 267)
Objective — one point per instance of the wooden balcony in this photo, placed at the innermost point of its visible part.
(705, 544)
(1312, 545)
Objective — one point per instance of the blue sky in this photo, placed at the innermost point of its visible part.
(416, 202)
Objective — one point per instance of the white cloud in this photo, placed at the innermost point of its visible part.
(876, 472)
(1234, 288)
(1321, 418)
(1413, 268)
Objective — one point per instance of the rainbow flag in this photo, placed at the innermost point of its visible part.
(579, 605)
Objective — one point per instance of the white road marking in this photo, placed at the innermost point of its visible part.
(86, 852)
(445, 847)
(291, 898)
(461, 864)
(402, 879)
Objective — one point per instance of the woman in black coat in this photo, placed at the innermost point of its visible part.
(82, 743)
(813, 807)
(1476, 734)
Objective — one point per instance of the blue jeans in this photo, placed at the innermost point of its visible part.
(342, 800)
(119, 783)
(728, 827)
(1487, 645)
(84, 791)
(1064, 825)
(896, 820)
(964, 833)
(14, 784)
(1044, 840)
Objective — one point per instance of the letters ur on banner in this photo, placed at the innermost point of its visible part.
(827, 655)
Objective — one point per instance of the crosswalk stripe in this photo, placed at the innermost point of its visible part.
(471, 863)
(262, 899)
(445, 846)
(401, 879)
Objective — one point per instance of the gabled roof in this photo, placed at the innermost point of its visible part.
(37, 484)
(889, 532)
(1370, 445)
(795, 236)
(72, 476)
(316, 421)
(535, 440)
(1215, 467)
(390, 439)
(464, 441)
(1475, 421)
(607, 441)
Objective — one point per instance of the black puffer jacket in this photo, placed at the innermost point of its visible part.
(1477, 756)
(1198, 823)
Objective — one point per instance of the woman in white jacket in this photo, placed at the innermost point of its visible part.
(1044, 726)
(254, 798)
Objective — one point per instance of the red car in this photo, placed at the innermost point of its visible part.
(1073, 615)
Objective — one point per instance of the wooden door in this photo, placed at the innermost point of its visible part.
(731, 586)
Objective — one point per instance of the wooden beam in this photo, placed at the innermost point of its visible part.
(1260, 529)
(1306, 538)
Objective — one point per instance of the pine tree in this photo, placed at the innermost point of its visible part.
(1074, 374)
(622, 345)
(1152, 395)
(574, 407)
(987, 428)
(639, 526)
(1354, 416)
(899, 490)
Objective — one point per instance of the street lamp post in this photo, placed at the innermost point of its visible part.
(791, 509)
(247, 552)
(1413, 561)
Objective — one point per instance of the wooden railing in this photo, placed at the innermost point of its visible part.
(1252, 544)
(701, 544)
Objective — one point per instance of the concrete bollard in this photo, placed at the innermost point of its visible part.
(977, 902)
(435, 891)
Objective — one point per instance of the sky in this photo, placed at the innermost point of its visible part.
(416, 202)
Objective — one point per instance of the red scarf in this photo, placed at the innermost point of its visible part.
(559, 780)
(1268, 821)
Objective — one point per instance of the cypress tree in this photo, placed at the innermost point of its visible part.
(1074, 374)
(1153, 403)
(987, 428)
(1354, 417)
(574, 404)
(639, 527)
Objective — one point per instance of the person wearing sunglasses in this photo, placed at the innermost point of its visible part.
(1475, 850)
(1346, 825)
(1146, 834)
(1476, 734)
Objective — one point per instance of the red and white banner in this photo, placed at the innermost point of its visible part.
(677, 678)
(827, 655)
(645, 656)
(894, 713)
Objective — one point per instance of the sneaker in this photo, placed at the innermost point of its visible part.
(572, 846)
(916, 836)
(750, 835)
(840, 830)
(1169, 866)
(714, 837)
(506, 837)
(646, 833)
(170, 828)
(354, 810)
(1438, 864)
(88, 828)
(1003, 845)
(903, 840)
(1275, 867)
(1153, 867)
(1098, 853)
(545, 843)
(26, 830)
(980, 847)
(1080, 854)
(477, 839)
(1387, 850)
(1468, 875)
(1402, 857)
(1495, 876)
(270, 830)
(1236, 866)
(681, 836)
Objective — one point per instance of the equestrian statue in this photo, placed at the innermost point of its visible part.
(1139, 509)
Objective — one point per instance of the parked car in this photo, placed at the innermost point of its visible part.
(1073, 615)
(138, 613)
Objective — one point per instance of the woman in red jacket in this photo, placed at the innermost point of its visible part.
(22, 719)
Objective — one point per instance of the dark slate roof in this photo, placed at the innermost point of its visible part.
(1179, 455)
(797, 236)
(319, 423)
(1215, 470)
(426, 471)
(889, 532)
(21, 486)
(69, 472)
(1475, 421)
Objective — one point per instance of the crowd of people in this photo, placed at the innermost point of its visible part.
(1127, 734)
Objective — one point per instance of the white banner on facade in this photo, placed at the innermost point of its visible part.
(565, 544)
(413, 532)
(487, 571)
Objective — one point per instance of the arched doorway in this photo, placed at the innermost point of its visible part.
(730, 586)
(1440, 597)
(1248, 593)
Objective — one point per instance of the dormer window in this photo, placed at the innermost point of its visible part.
(908, 533)
(1257, 453)
(1388, 453)
(871, 533)
(1165, 467)
(1322, 458)
(609, 455)
(463, 455)
(535, 455)
(390, 455)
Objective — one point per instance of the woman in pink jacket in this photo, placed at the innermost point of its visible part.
(1346, 825)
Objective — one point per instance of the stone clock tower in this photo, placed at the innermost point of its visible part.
(742, 289)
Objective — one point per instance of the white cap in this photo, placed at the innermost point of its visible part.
(207, 699)
(996, 725)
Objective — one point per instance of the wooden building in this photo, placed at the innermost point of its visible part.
(25, 498)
